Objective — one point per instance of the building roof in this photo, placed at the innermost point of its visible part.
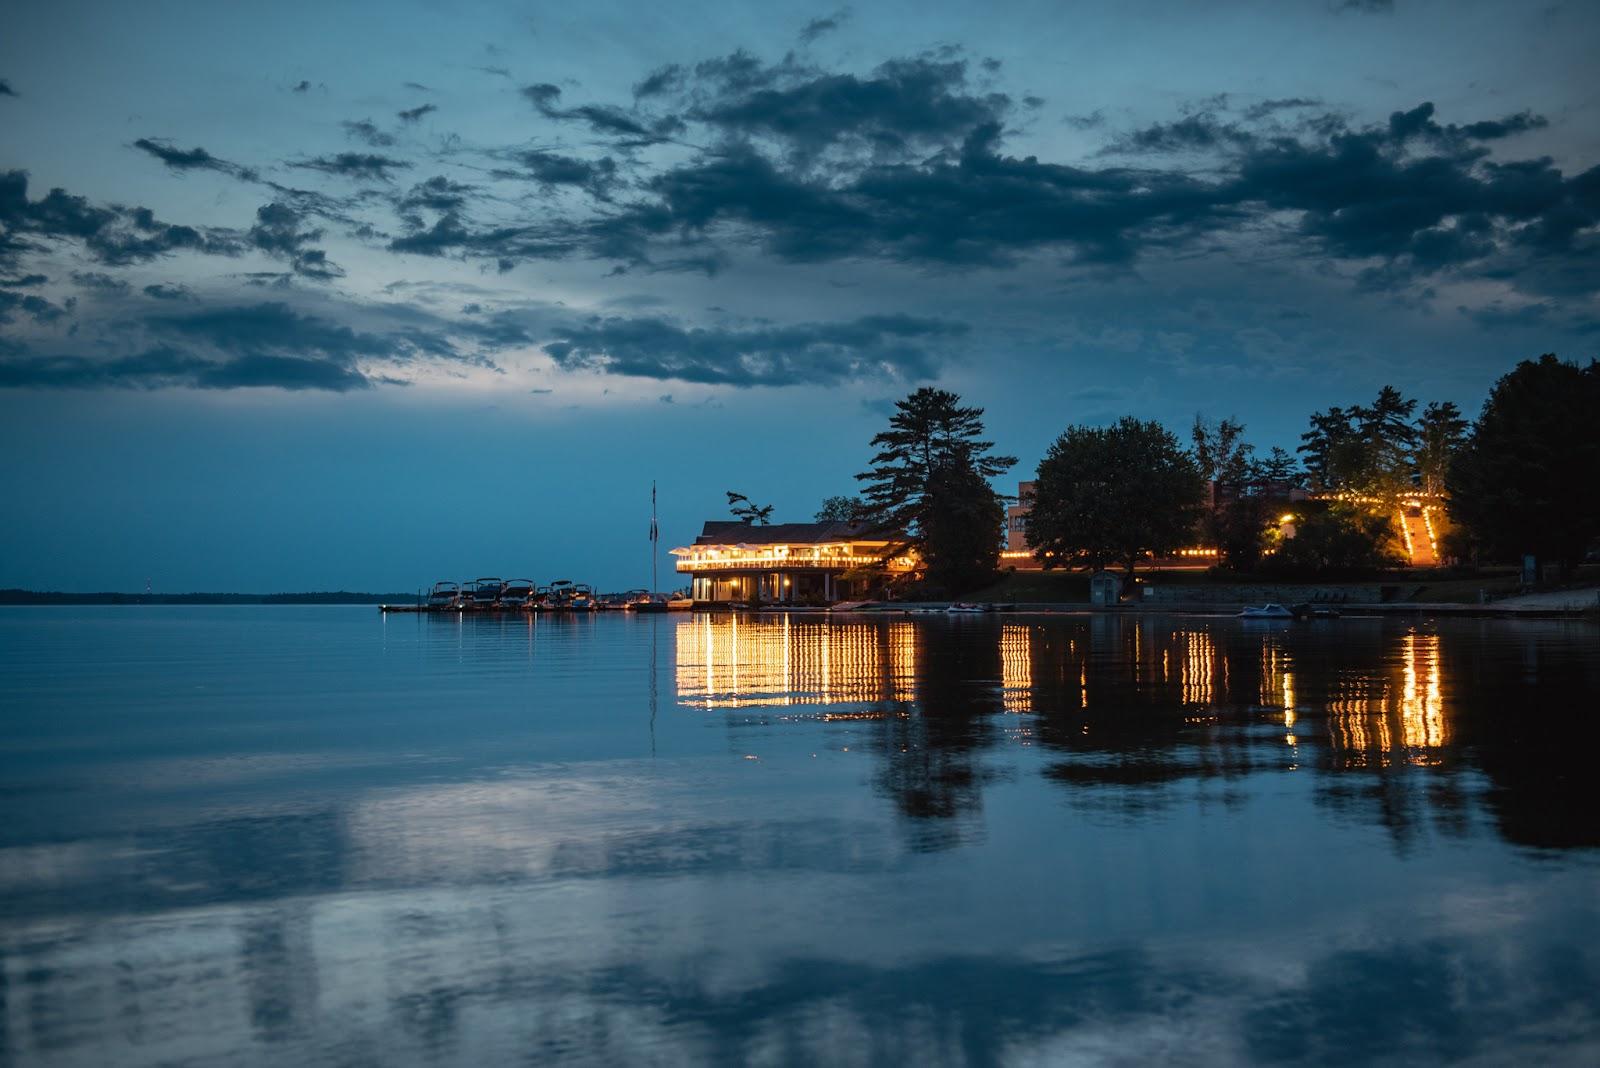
(734, 532)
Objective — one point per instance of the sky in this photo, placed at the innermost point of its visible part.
(363, 296)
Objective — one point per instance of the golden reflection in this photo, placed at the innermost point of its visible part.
(1197, 671)
(726, 662)
(1397, 717)
(1016, 667)
(1277, 683)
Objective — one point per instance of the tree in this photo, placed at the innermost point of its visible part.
(1332, 449)
(962, 529)
(747, 511)
(1235, 522)
(1110, 495)
(1389, 441)
(1524, 482)
(1341, 537)
(842, 509)
(1440, 432)
(930, 432)
(1278, 469)
(1367, 450)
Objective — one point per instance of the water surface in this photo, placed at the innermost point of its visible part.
(319, 836)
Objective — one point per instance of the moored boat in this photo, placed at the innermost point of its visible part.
(444, 596)
(484, 593)
(1266, 611)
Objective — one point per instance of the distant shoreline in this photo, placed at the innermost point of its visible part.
(51, 597)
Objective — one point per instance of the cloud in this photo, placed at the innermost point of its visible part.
(113, 235)
(888, 346)
(36, 308)
(5, 88)
(602, 119)
(238, 346)
(367, 131)
(169, 368)
(162, 291)
(359, 165)
(279, 231)
(664, 79)
(596, 176)
(824, 25)
(98, 282)
(416, 113)
(301, 87)
(191, 159)
(25, 280)
(1365, 7)
(903, 105)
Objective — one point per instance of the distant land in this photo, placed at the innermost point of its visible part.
(46, 597)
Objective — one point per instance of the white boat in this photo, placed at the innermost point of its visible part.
(1266, 611)
(965, 608)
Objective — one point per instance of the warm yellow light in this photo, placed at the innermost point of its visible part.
(1286, 518)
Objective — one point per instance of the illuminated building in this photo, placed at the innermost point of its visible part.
(792, 563)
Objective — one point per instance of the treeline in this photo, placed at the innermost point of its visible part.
(48, 597)
(1519, 480)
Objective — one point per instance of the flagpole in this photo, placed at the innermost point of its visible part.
(655, 535)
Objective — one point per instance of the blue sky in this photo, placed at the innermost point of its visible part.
(366, 295)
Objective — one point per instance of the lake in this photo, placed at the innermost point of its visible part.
(321, 836)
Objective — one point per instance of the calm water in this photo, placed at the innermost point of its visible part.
(315, 836)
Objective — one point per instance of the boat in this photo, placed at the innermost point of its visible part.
(445, 596)
(557, 597)
(583, 598)
(1316, 611)
(517, 593)
(1266, 611)
(680, 601)
(484, 594)
(968, 608)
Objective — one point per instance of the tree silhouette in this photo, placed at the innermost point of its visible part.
(1110, 495)
(747, 511)
(1524, 482)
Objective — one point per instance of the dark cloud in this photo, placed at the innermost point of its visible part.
(113, 235)
(597, 176)
(416, 113)
(664, 79)
(24, 281)
(97, 282)
(169, 368)
(301, 87)
(1203, 132)
(191, 159)
(280, 231)
(161, 291)
(1365, 7)
(805, 354)
(418, 86)
(359, 165)
(367, 132)
(36, 308)
(601, 118)
(435, 194)
(904, 104)
(820, 26)
(5, 88)
(1257, 112)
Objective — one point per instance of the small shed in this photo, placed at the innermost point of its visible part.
(1104, 588)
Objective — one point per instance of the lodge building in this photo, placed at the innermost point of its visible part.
(791, 563)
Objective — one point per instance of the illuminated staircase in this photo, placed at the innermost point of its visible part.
(1419, 538)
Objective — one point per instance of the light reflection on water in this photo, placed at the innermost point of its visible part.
(317, 836)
